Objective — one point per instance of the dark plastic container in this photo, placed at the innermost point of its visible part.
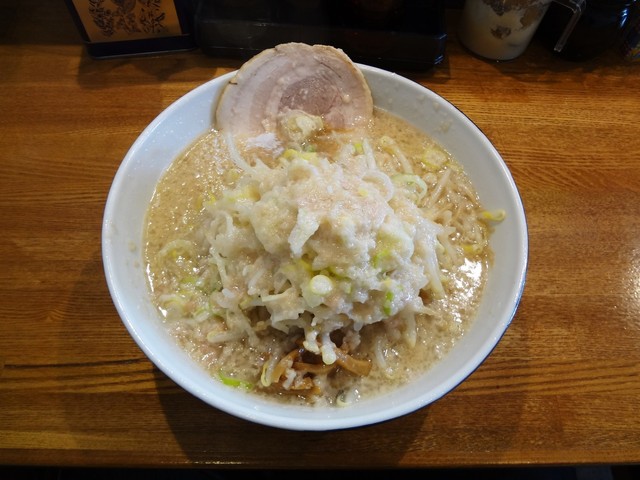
(408, 35)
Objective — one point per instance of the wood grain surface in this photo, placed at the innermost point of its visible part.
(562, 386)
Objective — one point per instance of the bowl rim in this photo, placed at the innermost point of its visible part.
(317, 423)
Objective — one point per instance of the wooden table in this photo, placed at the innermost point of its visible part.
(562, 387)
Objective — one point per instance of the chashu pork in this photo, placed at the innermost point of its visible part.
(319, 80)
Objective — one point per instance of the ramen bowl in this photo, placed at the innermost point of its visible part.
(191, 116)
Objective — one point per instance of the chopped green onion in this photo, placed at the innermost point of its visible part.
(472, 248)
(292, 154)
(493, 215)
(413, 183)
(234, 382)
(388, 299)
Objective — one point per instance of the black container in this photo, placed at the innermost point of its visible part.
(598, 29)
(406, 34)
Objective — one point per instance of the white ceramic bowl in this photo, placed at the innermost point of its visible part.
(188, 118)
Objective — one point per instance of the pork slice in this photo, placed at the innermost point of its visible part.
(317, 79)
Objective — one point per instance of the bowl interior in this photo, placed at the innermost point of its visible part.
(188, 118)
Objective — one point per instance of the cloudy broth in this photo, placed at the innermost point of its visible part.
(397, 349)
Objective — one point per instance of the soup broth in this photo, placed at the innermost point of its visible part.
(361, 320)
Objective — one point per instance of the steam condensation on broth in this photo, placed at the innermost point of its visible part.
(324, 317)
